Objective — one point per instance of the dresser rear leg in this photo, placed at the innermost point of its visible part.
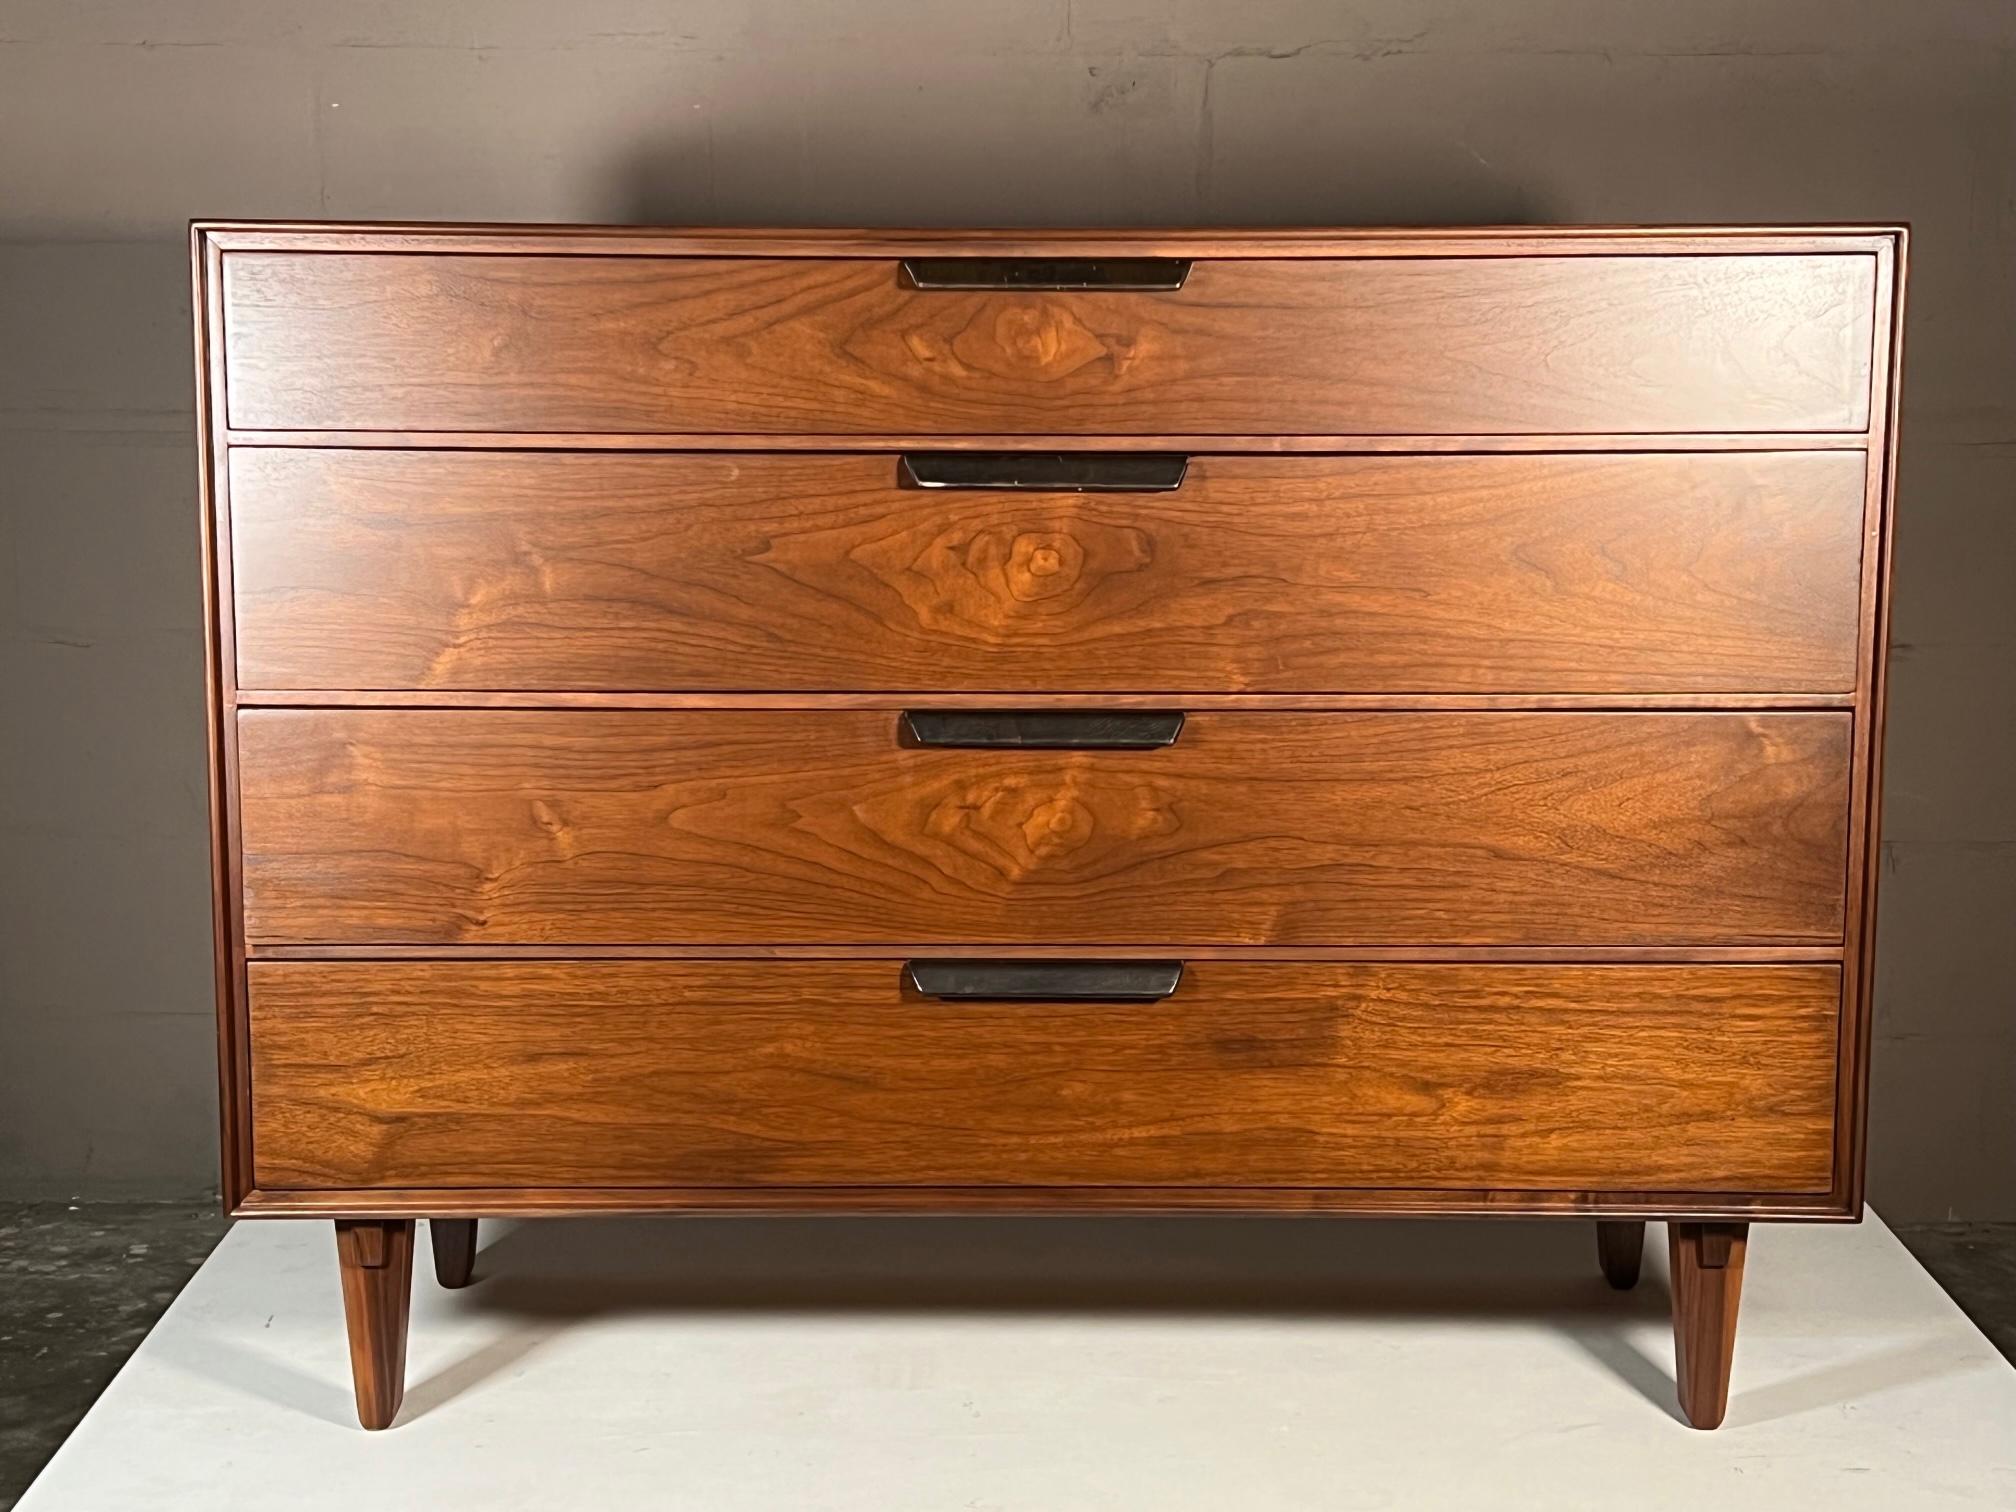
(1707, 1264)
(1620, 1246)
(376, 1256)
(454, 1241)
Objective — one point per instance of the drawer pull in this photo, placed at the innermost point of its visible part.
(1060, 981)
(1048, 472)
(1143, 274)
(1046, 729)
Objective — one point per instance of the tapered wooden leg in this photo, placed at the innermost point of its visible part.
(376, 1257)
(1620, 1246)
(454, 1242)
(1707, 1263)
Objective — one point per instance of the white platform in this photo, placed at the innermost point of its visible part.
(1058, 1365)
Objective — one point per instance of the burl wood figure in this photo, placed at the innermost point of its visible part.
(1290, 721)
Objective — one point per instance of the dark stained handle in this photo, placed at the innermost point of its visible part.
(1046, 729)
(1049, 981)
(1143, 274)
(1048, 472)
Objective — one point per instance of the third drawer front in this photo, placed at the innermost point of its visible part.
(1727, 572)
(829, 827)
(745, 1073)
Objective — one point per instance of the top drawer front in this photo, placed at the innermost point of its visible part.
(1405, 346)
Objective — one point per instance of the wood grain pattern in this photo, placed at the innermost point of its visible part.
(572, 571)
(622, 702)
(1706, 1265)
(1886, 244)
(752, 344)
(375, 1258)
(751, 1073)
(493, 826)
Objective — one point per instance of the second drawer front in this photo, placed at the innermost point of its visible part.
(741, 1073)
(716, 827)
(1638, 573)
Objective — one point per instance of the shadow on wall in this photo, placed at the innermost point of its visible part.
(684, 182)
(107, 1056)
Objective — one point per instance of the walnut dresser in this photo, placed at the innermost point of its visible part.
(1293, 721)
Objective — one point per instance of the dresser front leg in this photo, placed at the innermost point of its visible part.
(454, 1241)
(1620, 1246)
(376, 1256)
(1707, 1265)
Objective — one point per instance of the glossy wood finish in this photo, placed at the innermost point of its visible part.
(454, 1244)
(737, 1073)
(1886, 244)
(1620, 1247)
(570, 571)
(375, 1257)
(1599, 470)
(1707, 1280)
(477, 827)
(841, 346)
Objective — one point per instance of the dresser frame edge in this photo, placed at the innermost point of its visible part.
(221, 686)
(921, 1201)
(1871, 710)
(209, 239)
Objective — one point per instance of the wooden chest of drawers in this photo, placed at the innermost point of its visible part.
(1331, 722)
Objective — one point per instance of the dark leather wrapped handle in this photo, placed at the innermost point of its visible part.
(1142, 274)
(1046, 472)
(1047, 981)
(1046, 729)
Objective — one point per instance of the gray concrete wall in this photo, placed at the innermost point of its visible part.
(120, 119)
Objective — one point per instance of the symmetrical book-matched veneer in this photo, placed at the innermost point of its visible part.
(1330, 721)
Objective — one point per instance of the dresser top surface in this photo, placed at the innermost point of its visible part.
(1337, 241)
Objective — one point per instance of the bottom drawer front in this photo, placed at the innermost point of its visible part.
(839, 1073)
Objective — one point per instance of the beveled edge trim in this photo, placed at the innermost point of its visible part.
(1871, 712)
(898, 700)
(1195, 445)
(798, 1202)
(1310, 242)
(1421, 955)
(234, 1072)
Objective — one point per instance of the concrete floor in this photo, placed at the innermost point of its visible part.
(1976, 1263)
(81, 1286)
